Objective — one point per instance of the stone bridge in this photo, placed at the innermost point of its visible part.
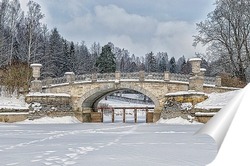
(83, 92)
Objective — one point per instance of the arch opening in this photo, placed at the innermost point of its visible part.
(91, 99)
(124, 106)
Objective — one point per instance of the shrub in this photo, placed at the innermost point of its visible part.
(16, 77)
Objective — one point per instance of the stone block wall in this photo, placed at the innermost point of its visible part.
(181, 105)
(52, 106)
(13, 115)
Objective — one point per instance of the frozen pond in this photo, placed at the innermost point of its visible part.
(104, 144)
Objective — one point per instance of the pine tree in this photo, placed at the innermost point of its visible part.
(172, 65)
(106, 61)
(162, 65)
(151, 62)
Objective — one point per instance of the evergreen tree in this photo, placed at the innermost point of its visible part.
(72, 58)
(186, 68)
(151, 62)
(172, 65)
(180, 63)
(106, 61)
(54, 64)
(162, 65)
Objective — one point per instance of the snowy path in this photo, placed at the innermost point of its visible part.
(104, 144)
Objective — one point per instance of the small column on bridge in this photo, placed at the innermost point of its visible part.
(94, 77)
(196, 81)
(166, 76)
(141, 75)
(117, 77)
(218, 81)
(70, 77)
(36, 85)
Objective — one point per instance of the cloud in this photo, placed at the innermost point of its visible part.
(138, 32)
(176, 37)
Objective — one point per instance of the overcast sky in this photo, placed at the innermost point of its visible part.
(140, 26)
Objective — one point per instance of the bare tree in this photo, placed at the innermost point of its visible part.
(4, 5)
(227, 31)
(15, 15)
(33, 27)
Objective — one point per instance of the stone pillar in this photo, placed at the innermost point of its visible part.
(70, 77)
(141, 75)
(117, 75)
(218, 81)
(166, 76)
(94, 77)
(196, 65)
(196, 81)
(36, 85)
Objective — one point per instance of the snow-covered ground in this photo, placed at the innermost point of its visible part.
(118, 103)
(104, 144)
(66, 141)
(217, 100)
(141, 114)
(13, 102)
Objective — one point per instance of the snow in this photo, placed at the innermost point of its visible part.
(66, 141)
(186, 106)
(195, 59)
(36, 65)
(216, 100)
(205, 113)
(179, 82)
(190, 92)
(14, 113)
(50, 120)
(48, 94)
(118, 103)
(13, 103)
(177, 120)
(104, 144)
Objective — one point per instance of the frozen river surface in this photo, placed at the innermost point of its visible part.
(104, 145)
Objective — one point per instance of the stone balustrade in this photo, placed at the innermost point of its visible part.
(196, 79)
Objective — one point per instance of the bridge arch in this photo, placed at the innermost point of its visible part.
(90, 99)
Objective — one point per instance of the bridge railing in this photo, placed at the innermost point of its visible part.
(105, 76)
(210, 80)
(140, 76)
(84, 77)
(154, 76)
(179, 77)
(134, 75)
(51, 81)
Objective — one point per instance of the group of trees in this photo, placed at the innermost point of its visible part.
(114, 59)
(24, 39)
